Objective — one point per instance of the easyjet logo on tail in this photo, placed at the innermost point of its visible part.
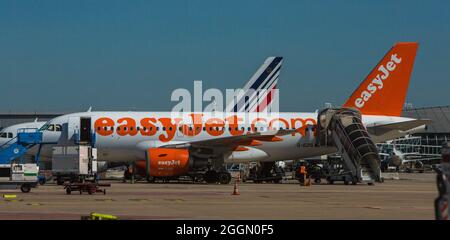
(377, 82)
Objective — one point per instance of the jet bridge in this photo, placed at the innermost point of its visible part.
(343, 128)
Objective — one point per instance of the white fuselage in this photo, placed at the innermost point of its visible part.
(125, 136)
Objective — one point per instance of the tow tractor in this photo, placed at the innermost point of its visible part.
(15, 172)
(264, 172)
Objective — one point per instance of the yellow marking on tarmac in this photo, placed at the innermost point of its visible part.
(9, 196)
(13, 200)
(99, 216)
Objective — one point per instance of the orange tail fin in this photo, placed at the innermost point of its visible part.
(384, 90)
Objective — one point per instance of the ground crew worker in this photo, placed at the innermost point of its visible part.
(302, 172)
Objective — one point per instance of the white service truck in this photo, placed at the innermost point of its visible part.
(23, 175)
(74, 163)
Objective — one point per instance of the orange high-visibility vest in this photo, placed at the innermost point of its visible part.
(303, 169)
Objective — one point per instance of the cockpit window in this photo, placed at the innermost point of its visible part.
(43, 128)
(10, 135)
(51, 128)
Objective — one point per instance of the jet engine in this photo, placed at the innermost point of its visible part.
(170, 162)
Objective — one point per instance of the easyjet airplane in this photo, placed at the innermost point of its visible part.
(170, 144)
(259, 81)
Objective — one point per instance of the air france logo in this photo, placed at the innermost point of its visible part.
(377, 82)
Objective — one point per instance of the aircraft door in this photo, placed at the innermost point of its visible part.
(85, 130)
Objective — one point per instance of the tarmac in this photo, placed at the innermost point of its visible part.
(411, 197)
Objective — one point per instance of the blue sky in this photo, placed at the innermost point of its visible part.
(130, 55)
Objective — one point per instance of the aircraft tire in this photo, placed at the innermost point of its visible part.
(224, 178)
(211, 176)
(25, 188)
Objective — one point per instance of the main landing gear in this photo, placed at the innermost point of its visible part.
(212, 176)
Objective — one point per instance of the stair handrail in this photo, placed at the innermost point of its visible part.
(6, 144)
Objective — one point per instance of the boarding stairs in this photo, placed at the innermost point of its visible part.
(343, 128)
(17, 147)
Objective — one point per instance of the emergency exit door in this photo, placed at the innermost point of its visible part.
(85, 130)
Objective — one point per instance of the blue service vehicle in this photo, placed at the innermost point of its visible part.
(14, 171)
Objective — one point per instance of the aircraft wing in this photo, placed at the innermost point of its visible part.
(384, 132)
(234, 141)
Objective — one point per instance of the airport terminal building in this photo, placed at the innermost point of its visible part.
(439, 130)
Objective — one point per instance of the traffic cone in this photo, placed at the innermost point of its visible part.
(235, 191)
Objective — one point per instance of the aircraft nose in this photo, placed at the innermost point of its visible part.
(3, 141)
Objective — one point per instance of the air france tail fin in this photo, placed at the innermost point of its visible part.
(383, 92)
(259, 91)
